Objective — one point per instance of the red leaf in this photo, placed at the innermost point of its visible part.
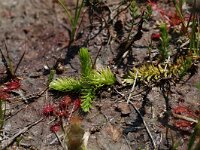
(55, 128)
(184, 110)
(155, 7)
(12, 85)
(77, 104)
(174, 19)
(155, 36)
(4, 95)
(183, 124)
(65, 102)
(61, 113)
(48, 110)
(180, 109)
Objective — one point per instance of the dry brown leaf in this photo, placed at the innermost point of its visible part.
(123, 107)
(114, 132)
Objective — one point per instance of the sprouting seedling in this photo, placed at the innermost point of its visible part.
(178, 6)
(9, 64)
(194, 40)
(88, 83)
(73, 19)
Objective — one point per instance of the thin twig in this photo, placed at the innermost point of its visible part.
(86, 138)
(64, 146)
(95, 60)
(147, 129)
(185, 118)
(19, 62)
(10, 62)
(9, 141)
(140, 115)
(127, 143)
(133, 88)
(30, 98)
(8, 70)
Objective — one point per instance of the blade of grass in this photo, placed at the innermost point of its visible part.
(21, 58)
(8, 70)
(66, 10)
(10, 62)
(179, 11)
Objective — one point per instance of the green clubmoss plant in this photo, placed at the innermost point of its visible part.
(134, 10)
(89, 81)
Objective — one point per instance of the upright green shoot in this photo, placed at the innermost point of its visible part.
(178, 5)
(163, 49)
(193, 39)
(73, 19)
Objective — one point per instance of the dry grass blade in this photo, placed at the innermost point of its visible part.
(147, 129)
(8, 69)
(21, 58)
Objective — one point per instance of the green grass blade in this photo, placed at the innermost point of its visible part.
(67, 11)
(78, 11)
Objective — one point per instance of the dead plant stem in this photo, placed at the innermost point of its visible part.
(9, 141)
(185, 118)
(133, 87)
(146, 127)
(143, 121)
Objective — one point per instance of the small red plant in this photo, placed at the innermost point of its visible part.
(183, 110)
(61, 113)
(62, 110)
(155, 36)
(77, 104)
(170, 17)
(8, 87)
(183, 125)
(4, 95)
(65, 102)
(155, 7)
(55, 127)
(48, 110)
(187, 112)
(12, 85)
(174, 19)
(180, 109)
